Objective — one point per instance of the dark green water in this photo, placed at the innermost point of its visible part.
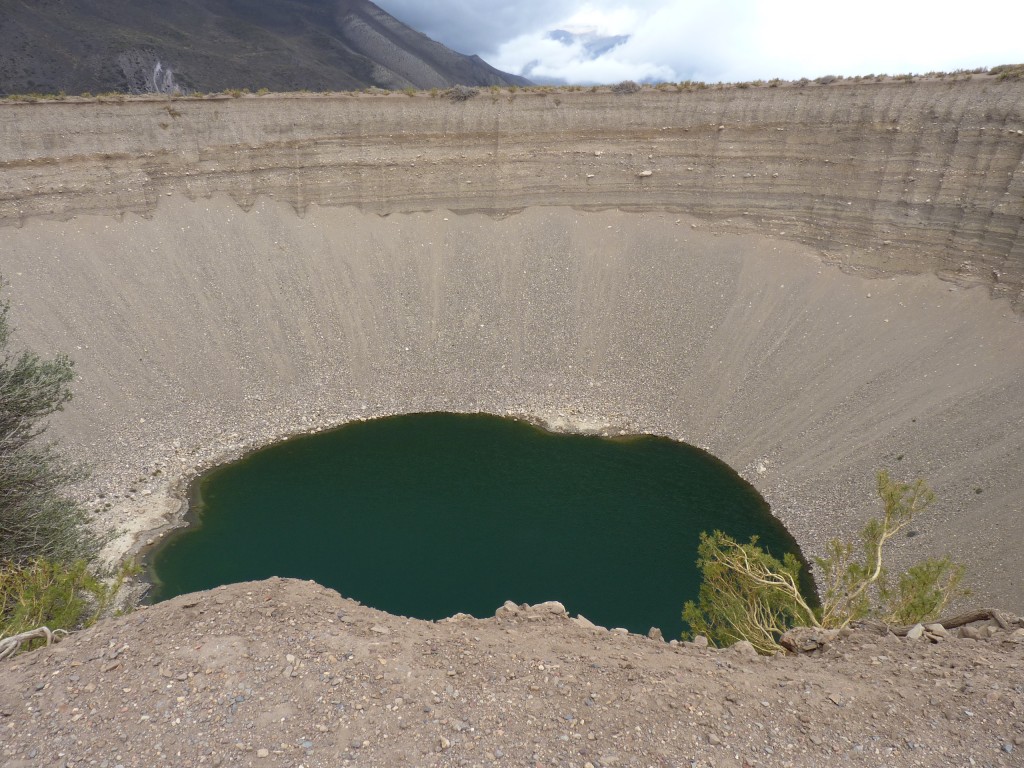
(433, 514)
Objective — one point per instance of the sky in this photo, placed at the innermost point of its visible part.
(606, 41)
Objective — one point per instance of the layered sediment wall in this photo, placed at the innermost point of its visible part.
(780, 275)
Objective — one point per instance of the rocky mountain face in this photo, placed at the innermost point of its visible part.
(140, 46)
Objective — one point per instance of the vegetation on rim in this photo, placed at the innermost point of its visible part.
(46, 545)
(747, 594)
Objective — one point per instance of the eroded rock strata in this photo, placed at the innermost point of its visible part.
(229, 271)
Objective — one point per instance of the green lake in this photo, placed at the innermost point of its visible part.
(428, 515)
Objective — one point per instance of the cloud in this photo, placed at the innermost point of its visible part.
(478, 26)
(721, 40)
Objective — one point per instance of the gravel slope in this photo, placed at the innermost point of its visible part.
(287, 673)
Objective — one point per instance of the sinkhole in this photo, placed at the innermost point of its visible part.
(428, 515)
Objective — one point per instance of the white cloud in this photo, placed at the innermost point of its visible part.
(478, 26)
(724, 39)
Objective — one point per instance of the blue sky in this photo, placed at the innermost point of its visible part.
(723, 40)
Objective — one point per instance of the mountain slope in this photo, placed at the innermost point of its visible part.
(209, 45)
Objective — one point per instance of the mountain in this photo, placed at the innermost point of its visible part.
(209, 45)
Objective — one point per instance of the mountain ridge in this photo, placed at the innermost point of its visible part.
(80, 46)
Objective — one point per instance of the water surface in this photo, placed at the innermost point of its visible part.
(428, 515)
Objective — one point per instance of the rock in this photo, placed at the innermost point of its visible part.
(584, 622)
(655, 634)
(553, 607)
(507, 610)
(937, 629)
(807, 639)
(645, 174)
(970, 633)
(744, 648)
(713, 740)
(1017, 636)
(380, 630)
(700, 641)
(264, 752)
(443, 743)
(916, 632)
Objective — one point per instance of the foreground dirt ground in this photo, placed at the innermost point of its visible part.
(288, 673)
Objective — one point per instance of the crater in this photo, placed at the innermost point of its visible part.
(779, 293)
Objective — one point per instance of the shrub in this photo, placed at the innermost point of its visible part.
(461, 93)
(626, 86)
(746, 594)
(1008, 71)
(37, 516)
(59, 596)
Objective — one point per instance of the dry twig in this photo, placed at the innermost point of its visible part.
(10, 645)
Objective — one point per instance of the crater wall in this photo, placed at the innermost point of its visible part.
(226, 272)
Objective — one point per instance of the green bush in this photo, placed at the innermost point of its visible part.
(44, 593)
(59, 596)
(37, 516)
(746, 594)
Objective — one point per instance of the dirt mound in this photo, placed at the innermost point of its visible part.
(288, 673)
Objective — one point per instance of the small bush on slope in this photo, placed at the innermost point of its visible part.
(746, 594)
(46, 546)
(37, 517)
